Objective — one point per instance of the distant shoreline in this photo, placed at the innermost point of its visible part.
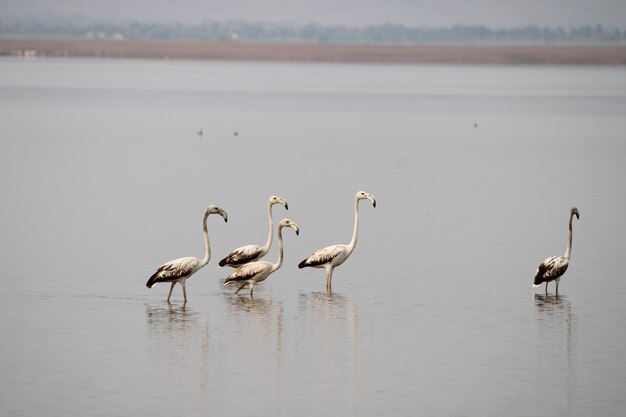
(323, 53)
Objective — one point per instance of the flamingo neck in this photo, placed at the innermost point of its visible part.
(207, 247)
(270, 233)
(355, 233)
(568, 250)
(279, 263)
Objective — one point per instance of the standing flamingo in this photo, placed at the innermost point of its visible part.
(250, 253)
(180, 269)
(555, 266)
(333, 256)
(254, 272)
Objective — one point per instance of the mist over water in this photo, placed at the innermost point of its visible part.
(474, 170)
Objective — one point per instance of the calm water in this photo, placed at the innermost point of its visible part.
(103, 179)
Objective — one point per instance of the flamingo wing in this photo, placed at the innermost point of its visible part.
(245, 272)
(550, 269)
(322, 256)
(173, 270)
(242, 255)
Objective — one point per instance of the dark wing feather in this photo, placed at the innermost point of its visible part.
(321, 257)
(241, 256)
(173, 270)
(551, 269)
(244, 272)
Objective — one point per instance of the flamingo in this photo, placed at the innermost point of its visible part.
(333, 256)
(555, 266)
(255, 272)
(179, 270)
(250, 253)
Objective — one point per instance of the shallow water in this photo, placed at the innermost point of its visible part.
(474, 170)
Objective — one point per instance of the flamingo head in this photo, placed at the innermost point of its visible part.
(278, 200)
(289, 223)
(362, 195)
(213, 209)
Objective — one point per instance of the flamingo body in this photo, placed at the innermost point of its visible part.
(175, 270)
(251, 273)
(251, 253)
(550, 269)
(243, 255)
(333, 255)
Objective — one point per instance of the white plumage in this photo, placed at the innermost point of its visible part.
(331, 254)
(179, 270)
(254, 272)
(250, 253)
(331, 257)
(554, 267)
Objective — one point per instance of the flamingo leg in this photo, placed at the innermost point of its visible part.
(546, 288)
(557, 286)
(170, 293)
(251, 289)
(184, 291)
(329, 278)
(240, 288)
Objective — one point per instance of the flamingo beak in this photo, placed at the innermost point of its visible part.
(295, 227)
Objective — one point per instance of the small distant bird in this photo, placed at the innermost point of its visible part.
(555, 266)
(333, 256)
(235, 133)
(179, 270)
(255, 272)
(250, 253)
(200, 132)
(475, 124)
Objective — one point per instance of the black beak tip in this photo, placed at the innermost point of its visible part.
(297, 233)
(374, 203)
(286, 206)
(225, 220)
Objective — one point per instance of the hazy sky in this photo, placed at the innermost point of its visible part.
(494, 13)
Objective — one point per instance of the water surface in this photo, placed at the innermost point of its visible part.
(474, 170)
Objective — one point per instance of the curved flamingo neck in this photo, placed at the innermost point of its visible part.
(207, 246)
(355, 233)
(270, 233)
(279, 263)
(568, 250)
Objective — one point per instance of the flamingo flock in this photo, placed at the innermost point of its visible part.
(251, 270)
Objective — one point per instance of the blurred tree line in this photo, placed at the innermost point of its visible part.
(84, 28)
